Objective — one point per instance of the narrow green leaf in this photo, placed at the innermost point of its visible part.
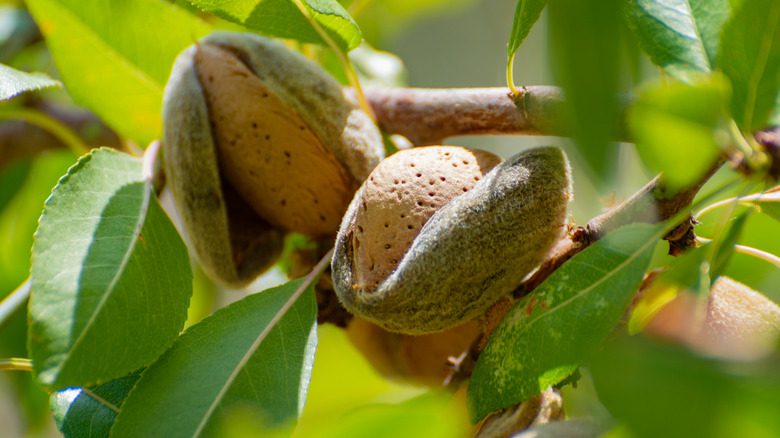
(680, 36)
(675, 128)
(585, 38)
(90, 413)
(750, 57)
(664, 391)
(14, 82)
(255, 354)
(770, 203)
(527, 14)
(281, 18)
(114, 56)
(726, 244)
(110, 276)
(547, 335)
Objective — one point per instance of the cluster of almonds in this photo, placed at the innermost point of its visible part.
(260, 142)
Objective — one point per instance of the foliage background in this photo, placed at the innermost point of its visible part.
(443, 44)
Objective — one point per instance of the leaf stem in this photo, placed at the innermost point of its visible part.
(510, 75)
(746, 200)
(349, 70)
(16, 364)
(749, 250)
(50, 124)
(14, 300)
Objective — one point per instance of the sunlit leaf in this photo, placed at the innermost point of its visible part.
(675, 128)
(14, 82)
(90, 413)
(110, 275)
(114, 56)
(255, 354)
(282, 18)
(679, 35)
(750, 57)
(548, 334)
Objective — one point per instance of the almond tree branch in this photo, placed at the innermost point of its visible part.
(428, 116)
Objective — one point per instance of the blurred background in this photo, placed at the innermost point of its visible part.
(442, 43)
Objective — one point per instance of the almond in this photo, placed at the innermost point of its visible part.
(268, 152)
(259, 141)
(423, 359)
(401, 194)
(466, 249)
(736, 323)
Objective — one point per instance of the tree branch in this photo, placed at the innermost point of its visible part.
(428, 116)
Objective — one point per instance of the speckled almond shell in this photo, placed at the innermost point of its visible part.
(471, 252)
(234, 244)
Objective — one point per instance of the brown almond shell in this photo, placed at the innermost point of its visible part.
(471, 252)
(233, 244)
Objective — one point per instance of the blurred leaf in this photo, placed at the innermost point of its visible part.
(255, 354)
(770, 203)
(658, 295)
(548, 334)
(690, 271)
(374, 67)
(527, 14)
(11, 179)
(91, 413)
(667, 392)
(725, 245)
(585, 45)
(337, 389)
(675, 128)
(20, 216)
(17, 31)
(679, 35)
(750, 57)
(110, 275)
(282, 18)
(377, 67)
(380, 20)
(114, 56)
(430, 415)
(14, 82)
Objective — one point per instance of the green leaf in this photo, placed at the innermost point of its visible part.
(527, 14)
(750, 57)
(282, 18)
(663, 391)
(110, 275)
(14, 82)
(675, 128)
(90, 413)
(770, 203)
(114, 56)
(547, 335)
(585, 42)
(679, 35)
(725, 244)
(255, 354)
